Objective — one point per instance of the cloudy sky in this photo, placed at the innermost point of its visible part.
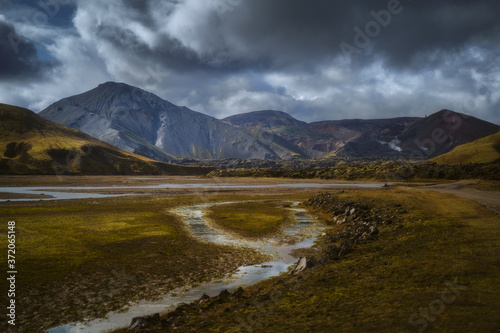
(317, 60)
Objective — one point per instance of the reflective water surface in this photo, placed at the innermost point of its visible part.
(79, 192)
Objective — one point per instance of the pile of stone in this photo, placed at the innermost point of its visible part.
(361, 223)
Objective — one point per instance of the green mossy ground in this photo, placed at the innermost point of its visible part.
(82, 258)
(484, 150)
(251, 219)
(439, 271)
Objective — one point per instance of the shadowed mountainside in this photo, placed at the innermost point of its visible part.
(30, 144)
(419, 138)
(140, 122)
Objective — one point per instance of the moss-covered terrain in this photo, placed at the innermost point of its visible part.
(484, 150)
(431, 266)
(398, 171)
(83, 258)
(251, 219)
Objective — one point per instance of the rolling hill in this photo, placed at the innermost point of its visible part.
(30, 144)
(484, 150)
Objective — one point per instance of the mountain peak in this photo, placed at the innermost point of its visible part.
(265, 119)
(141, 122)
(117, 86)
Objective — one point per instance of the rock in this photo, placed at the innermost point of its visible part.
(239, 292)
(224, 294)
(204, 298)
(311, 262)
(301, 265)
(374, 231)
(140, 324)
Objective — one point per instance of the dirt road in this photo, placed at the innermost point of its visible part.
(489, 199)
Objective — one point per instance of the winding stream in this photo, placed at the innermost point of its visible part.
(304, 233)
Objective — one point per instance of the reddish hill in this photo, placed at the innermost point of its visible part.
(442, 131)
(419, 138)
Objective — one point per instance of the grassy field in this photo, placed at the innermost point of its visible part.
(484, 150)
(437, 271)
(82, 258)
(251, 219)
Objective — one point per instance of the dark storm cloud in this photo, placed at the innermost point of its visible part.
(429, 32)
(420, 32)
(18, 56)
(56, 13)
(298, 35)
(224, 57)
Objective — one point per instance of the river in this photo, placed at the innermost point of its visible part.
(89, 192)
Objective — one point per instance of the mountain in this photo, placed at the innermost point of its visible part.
(283, 125)
(351, 137)
(362, 137)
(30, 144)
(267, 120)
(140, 122)
(442, 131)
(484, 150)
(419, 138)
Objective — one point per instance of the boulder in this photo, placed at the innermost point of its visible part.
(140, 324)
(224, 294)
(301, 265)
(204, 298)
(304, 263)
